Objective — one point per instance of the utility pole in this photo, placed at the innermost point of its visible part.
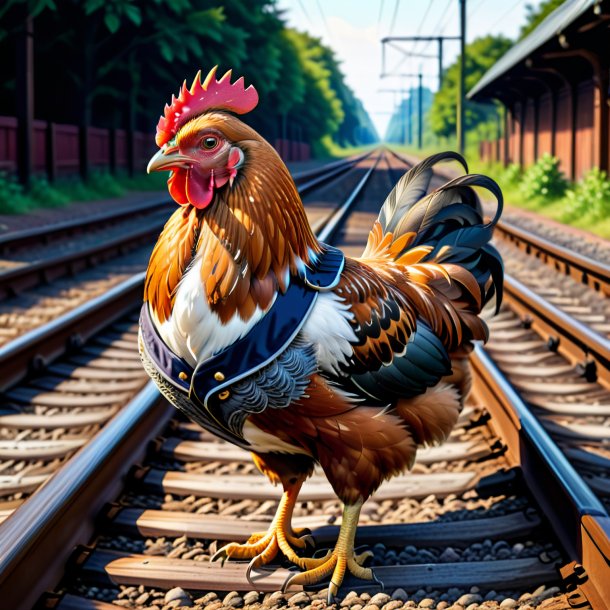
(410, 117)
(460, 135)
(405, 122)
(461, 87)
(25, 97)
(440, 62)
(420, 112)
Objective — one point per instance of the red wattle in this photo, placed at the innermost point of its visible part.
(177, 186)
(199, 189)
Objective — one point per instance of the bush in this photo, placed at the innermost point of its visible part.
(590, 196)
(511, 175)
(544, 180)
(46, 195)
(105, 184)
(12, 199)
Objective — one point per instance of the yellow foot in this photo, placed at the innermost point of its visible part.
(262, 548)
(337, 563)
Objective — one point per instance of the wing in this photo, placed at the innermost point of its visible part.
(395, 353)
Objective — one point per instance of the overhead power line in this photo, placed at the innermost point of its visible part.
(508, 12)
(421, 24)
(305, 12)
(330, 36)
(379, 18)
(394, 15)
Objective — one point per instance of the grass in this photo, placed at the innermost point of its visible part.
(326, 148)
(43, 195)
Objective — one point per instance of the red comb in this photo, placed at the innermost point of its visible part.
(200, 97)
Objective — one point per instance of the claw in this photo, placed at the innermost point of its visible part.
(308, 539)
(333, 590)
(220, 554)
(288, 582)
(363, 557)
(254, 563)
(377, 581)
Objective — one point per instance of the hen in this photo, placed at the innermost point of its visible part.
(280, 344)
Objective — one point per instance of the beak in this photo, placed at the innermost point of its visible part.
(166, 159)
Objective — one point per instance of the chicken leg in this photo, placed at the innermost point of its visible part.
(262, 547)
(341, 559)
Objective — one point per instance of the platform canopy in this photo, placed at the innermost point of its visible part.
(546, 34)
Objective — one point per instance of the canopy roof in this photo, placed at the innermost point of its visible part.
(552, 26)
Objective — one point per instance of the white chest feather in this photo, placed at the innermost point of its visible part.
(328, 328)
(194, 331)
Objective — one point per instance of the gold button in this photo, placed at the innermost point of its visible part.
(183, 375)
(219, 376)
(224, 395)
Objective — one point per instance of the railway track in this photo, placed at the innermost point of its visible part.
(478, 537)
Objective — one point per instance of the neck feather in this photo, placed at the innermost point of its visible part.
(251, 239)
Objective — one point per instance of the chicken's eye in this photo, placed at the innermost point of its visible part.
(209, 142)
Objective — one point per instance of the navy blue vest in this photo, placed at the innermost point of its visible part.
(208, 385)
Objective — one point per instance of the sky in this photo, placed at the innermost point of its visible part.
(354, 28)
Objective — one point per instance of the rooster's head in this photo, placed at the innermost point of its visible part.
(200, 141)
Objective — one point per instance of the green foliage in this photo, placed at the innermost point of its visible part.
(481, 55)
(544, 180)
(156, 181)
(104, 183)
(101, 185)
(320, 111)
(535, 15)
(12, 199)
(511, 174)
(589, 197)
(42, 193)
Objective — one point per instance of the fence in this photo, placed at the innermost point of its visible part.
(492, 151)
(291, 150)
(56, 148)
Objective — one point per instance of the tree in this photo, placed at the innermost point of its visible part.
(535, 15)
(481, 55)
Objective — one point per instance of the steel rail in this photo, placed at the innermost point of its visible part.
(573, 339)
(582, 268)
(62, 512)
(577, 516)
(35, 349)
